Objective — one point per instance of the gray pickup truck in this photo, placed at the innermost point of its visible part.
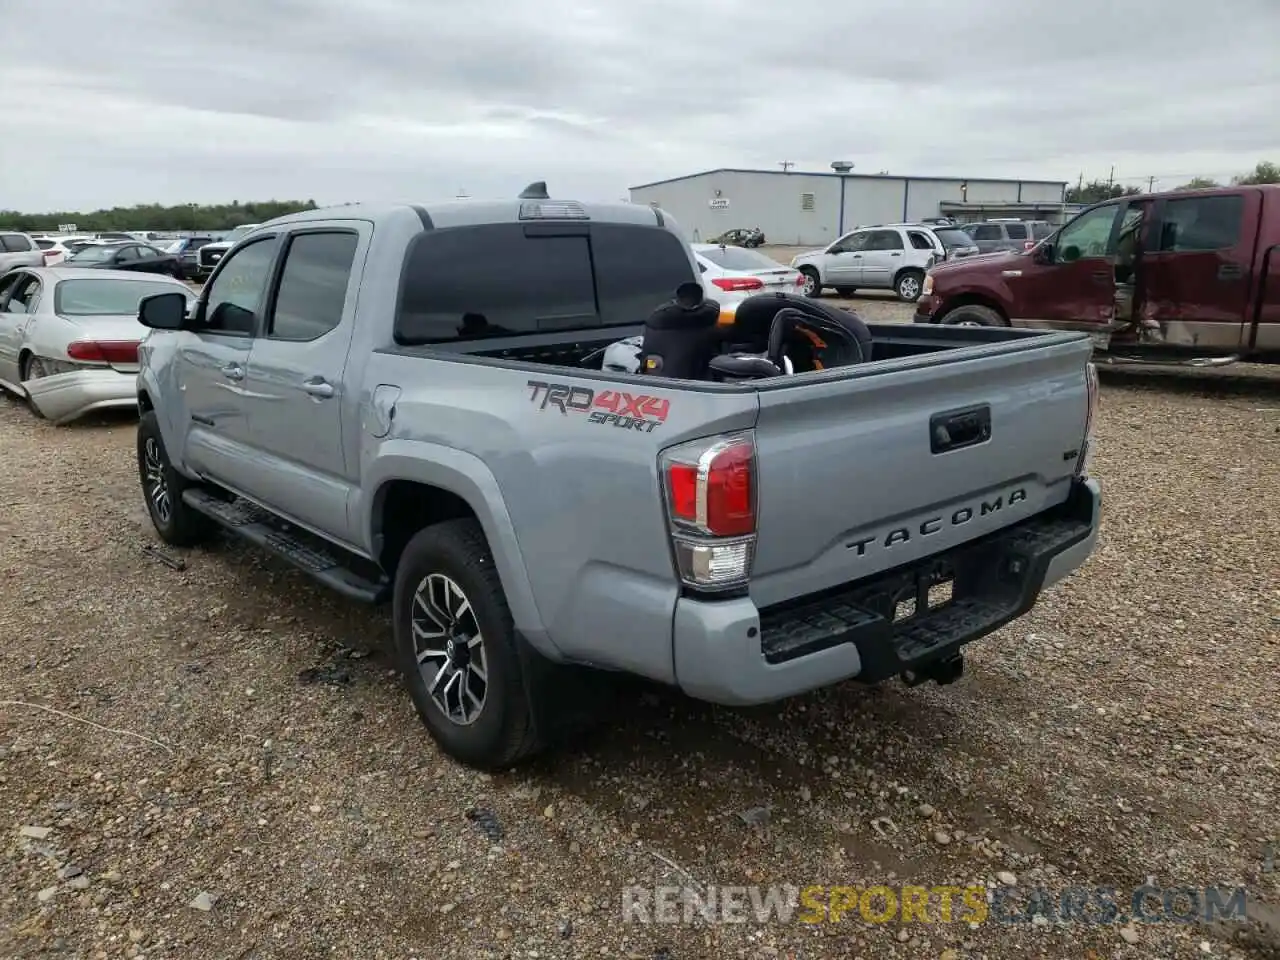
(359, 391)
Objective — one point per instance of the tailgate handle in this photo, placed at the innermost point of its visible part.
(956, 429)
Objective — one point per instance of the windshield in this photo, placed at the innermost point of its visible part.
(103, 298)
(738, 258)
(953, 237)
(93, 254)
(239, 232)
(175, 247)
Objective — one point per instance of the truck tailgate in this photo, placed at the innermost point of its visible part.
(856, 476)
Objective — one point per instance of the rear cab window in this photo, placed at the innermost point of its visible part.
(602, 275)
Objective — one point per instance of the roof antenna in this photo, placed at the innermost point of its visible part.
(535, 191)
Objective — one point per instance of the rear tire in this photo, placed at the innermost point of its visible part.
(177, 524)
(846, 291)
(909, 285)
(471, 677)
(973, 315)
(812, 283)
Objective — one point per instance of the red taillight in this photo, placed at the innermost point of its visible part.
(737, 284)
(50, 255)
(1028, 244)
(711, 509)
(800, 280)
(104, 351)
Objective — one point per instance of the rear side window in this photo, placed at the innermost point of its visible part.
(920, 241)
(954, 238)
(986, 231)
(313, 285)
(884, 240)
(1201, 223)
(1041, 230)
(15, 243)
(496, 281)
(1016, 231)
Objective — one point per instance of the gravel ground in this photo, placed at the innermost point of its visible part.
(264, 789)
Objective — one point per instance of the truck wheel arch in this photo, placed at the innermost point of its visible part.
(420, 484)
(971, 300)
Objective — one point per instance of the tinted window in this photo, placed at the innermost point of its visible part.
(126, 254)
(920, 241)
(1201, 223)
(236, 292)
(986, 231)
(1041, 230)
(884, 240)
(313, 285)
(954, 238)
(736, 258)
(44, 244)
(494, 280)
(637, 269)
(1016, 231)
(100, 298)
(16, 243)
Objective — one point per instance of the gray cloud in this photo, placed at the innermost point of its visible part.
(156, 101)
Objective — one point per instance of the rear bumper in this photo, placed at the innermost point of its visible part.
(67, 396)
(730, 652)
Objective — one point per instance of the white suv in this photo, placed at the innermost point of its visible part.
(887, 257)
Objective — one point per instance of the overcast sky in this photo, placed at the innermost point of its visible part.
(134, 101)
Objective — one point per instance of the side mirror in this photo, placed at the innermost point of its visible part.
(1070, 253)
(163, 311)
(1043, 253)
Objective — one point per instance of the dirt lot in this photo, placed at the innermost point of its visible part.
(264, 789)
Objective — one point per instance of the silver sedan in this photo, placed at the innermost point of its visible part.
(69, 337)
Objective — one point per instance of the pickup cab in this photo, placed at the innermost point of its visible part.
(1189, 277)
(356, 392)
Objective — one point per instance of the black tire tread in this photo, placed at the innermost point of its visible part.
(957, 314)
(464, 542)
(188, 527)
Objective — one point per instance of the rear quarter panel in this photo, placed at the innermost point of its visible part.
(581, 492)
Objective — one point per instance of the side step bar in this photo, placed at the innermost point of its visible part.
(308, 553)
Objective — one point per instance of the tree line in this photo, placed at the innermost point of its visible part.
(1095, 191)
(154, 216)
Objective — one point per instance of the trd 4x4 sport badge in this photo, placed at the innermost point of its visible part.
(607, 407)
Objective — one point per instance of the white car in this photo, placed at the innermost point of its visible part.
(892, 256)
(731, 274)
(57, 249)
(69, 336)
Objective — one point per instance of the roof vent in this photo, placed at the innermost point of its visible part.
(535, 191)
(841, 166)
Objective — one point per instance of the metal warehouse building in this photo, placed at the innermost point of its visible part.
(811, 209)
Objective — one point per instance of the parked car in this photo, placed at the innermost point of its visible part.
(476, 454)
(1169, 277)
(883, 257)
(57, 249)
(134, 257)
(186, 249)
(955, 242)
(69, 337)
(992, 236)
(731, 274)
(18, 250)
(749, 237)
(211, 253)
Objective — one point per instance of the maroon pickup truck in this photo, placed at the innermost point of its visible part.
(1189, 277)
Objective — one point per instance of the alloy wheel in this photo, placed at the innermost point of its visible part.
(909, 288)
(449, 649)
(155, 480)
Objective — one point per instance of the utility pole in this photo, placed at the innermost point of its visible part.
(1151, 184)
(786, 165)
(1111, 177)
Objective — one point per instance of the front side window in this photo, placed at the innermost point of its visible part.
(313, 285)
(1088, 234)
(853, 243)
(235, 294)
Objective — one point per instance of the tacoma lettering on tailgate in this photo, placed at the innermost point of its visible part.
(931, 525)
(615, 408)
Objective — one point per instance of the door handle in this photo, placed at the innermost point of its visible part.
(1230, 271)
(856, 256)
(319, 388)
(895, 254)
(233, 371)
